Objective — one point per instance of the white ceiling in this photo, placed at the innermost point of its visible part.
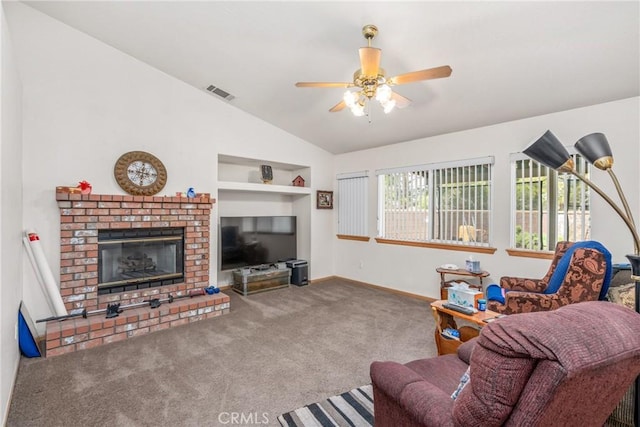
(510, 60)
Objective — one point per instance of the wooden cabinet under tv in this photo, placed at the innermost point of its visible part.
(249, 281)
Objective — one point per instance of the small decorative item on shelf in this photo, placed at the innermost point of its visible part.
(191, 193)
(266, 173)
(298, 181)
(324, 199)
(212, 290)
(85, 187)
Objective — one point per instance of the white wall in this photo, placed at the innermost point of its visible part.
(86, 103)
(412, 269)
(10, 216)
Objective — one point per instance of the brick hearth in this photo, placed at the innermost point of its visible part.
(81, 216)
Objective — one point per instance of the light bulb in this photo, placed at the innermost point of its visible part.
(358, 110)
(350, 98)
(388, 106)
(383, 94)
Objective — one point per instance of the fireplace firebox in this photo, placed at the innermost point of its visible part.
(139, 258)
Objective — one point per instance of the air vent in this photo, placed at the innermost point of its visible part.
(219, 92)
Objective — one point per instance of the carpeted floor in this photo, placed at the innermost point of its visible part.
(275, 352)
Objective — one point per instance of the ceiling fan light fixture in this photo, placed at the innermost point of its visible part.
(388, 106)
(350, 98)
(357, 109)
(383, 94)
(371, 81)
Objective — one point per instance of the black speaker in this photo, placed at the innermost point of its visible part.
(299, 272)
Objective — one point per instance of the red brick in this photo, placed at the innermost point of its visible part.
(51, 344)
(81, 329)
(61, 350)
(138, 332)
(169, 318)
(115, 338)
(126, 328)
(76, 339)
(89, 344)
(67, 331)
(110, 205)
(149, 322)
(53, 331)
(120, 225)
(100, 333)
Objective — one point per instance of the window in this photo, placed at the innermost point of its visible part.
(444, 202)
(352, 204)
(547, 206)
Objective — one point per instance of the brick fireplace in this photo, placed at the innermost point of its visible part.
(82, 218)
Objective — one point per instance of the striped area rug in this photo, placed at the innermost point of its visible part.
(353, 408)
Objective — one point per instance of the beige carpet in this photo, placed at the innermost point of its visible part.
(275, 352)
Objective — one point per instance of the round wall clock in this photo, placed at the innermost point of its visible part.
(140, 173)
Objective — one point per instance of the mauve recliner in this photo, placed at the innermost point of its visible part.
(566, 367)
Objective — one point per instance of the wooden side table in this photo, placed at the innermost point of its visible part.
(444, 284)
(446, 318)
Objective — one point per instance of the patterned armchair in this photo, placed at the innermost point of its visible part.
(583, 281)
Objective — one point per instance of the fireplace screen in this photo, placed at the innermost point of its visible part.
(139, 258)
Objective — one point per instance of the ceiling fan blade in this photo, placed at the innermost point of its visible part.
(338, 107)
(323, 84)
(401, 101)
(431, 73)
(370, 61)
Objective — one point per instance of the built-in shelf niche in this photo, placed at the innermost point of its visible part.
(234, 171)
(241, 192)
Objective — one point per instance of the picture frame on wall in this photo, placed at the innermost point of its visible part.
(324, 199)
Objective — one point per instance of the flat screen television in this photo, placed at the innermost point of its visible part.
(255, 240)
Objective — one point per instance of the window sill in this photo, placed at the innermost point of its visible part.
(445, 246)
(525, 253)
(350, 237)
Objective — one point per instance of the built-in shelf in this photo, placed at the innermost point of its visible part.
(241, 192)
(262, 188)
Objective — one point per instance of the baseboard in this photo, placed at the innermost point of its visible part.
(383, 288)
(322, 279)
(359, 283)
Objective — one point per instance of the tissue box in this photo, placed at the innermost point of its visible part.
(473, 266)
(464, 297)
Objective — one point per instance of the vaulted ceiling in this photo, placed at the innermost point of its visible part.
(510, 60)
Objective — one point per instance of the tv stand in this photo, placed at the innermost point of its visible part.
(247, 281)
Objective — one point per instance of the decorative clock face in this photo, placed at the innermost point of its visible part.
(140, 173)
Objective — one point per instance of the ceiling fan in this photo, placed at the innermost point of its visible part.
(373, 82)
